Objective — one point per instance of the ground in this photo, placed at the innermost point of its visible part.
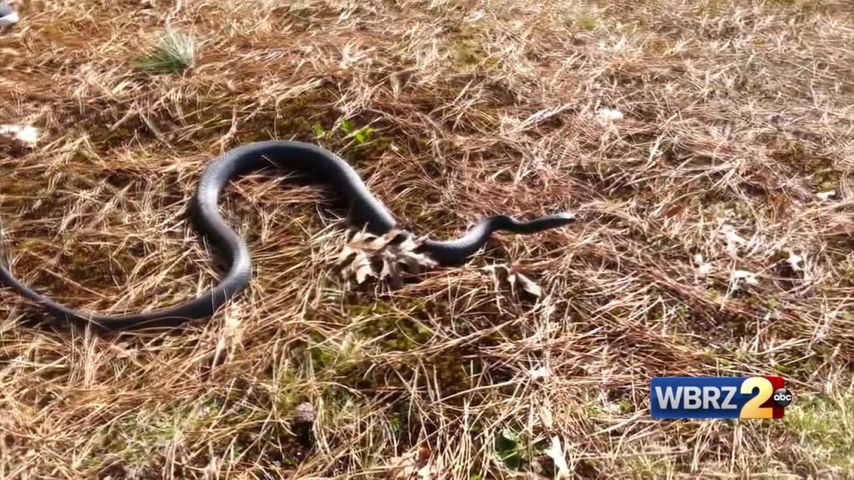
(706, 148)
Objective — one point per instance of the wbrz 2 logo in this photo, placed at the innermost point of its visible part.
(718, 397)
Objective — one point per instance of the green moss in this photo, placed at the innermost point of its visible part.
(396, 328)
(466, 48)
(467, 52)
(797, 151)
(139, 439)
(649, 466)
(287, 393)
(588, 468)
(398, 333)
(454, 372)
(827, 185)
(333, 357)
(142, 441)
(715, 295)
(580, 21)
(657, 47)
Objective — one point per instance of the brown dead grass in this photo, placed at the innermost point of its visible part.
(736, 116)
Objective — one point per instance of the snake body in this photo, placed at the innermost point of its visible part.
(365, 209)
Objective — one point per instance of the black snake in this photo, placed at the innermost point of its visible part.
(365, 209)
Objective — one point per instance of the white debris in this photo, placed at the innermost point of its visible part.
(8, 16)
(740, 278)
(795, 261)
(609, 115)
(703, 268)
(526, 283)
(476, 15)
(538, 373)
(555, 451)
(825, 196)
(733, 239)
(24, 134)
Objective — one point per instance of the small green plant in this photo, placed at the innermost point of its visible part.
(516, 450)
(319, 132)
(347, 126)
(586, 22)
(175, 53)
(361, 135)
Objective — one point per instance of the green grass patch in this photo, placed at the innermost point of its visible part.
(826, 429)
(175, 53)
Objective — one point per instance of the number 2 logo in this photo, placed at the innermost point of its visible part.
(753, 408)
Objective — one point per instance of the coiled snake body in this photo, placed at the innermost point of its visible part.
(365, 209)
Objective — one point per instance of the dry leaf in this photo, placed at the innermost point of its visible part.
(741, 278)
(122, 350)
(362, 267)
(498, 273)
(210, 472)
(403, 467)
(674, 210)
(504, 273)
(395, 252)
(733, 239)
(546, 417)
(748, 277)
(529, 286)
(231, 335)
(526, 283)
(414, 465)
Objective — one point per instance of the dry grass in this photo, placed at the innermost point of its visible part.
(737, 116)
